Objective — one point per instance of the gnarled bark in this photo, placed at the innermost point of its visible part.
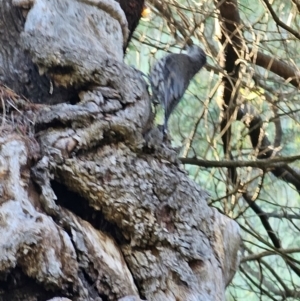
(93, 204)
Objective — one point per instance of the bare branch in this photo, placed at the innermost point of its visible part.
(279, 22)
(269, 253)
(291, 75)
(262, 164)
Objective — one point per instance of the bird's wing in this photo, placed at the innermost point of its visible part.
(175, 83)
(157, 81)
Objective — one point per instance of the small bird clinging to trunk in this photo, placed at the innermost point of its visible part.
(171, 75)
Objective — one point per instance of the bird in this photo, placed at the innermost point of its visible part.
(170, 77)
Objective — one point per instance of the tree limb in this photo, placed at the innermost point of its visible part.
(279, 22)
(290, 74)
(261, 163)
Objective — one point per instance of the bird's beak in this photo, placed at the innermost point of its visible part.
(187, 44)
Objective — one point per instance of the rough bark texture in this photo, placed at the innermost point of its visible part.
(93, 204)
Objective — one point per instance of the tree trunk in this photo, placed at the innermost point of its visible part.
(93, 204)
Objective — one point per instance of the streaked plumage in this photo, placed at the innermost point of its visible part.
(171, 75)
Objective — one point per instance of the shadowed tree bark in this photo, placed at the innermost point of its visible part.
(133, 11)
(93, 204)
